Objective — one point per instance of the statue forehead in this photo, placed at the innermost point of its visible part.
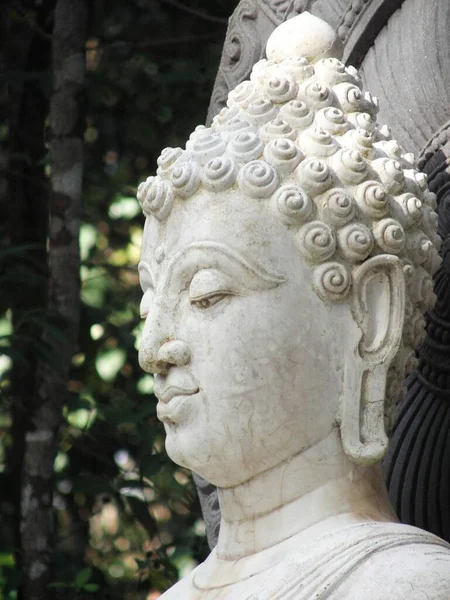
(245, 225)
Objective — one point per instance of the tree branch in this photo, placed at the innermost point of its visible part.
(32, 23)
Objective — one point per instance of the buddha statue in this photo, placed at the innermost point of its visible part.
(286, 266)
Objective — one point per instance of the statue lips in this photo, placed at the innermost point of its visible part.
(171, 401)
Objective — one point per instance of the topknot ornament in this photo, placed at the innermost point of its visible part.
(306, 36)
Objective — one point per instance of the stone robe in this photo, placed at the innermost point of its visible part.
(380, 561)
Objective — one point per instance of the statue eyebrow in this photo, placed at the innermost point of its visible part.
(255, 271)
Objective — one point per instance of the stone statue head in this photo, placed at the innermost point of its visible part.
(286, 266)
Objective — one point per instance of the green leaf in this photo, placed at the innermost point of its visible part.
(14, 355)
(7, 559)
(141, 564)
(91, 587)
(130, 484)
(118, 416)
(124, 207)
(151, 465)
(76, 401)
(92, 485)
(147, 435)
(83, 577)
(59, 585)
(140, 511)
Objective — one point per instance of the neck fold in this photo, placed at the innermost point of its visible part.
(312, 486)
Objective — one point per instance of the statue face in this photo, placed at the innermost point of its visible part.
(248, 360)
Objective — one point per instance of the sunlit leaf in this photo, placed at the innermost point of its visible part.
(5, 326)
(61, 462)
(94, 286)
(5, 364)
(109, 363)
(145, 384)
(7, 559)
(88, 239)
(124, 207)
(82, 418)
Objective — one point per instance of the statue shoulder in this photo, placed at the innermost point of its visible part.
(419, 571)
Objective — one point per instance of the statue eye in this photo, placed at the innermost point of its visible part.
(209, 301)
(208, 287)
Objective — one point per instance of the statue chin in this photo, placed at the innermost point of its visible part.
(197, 456)
(286, 266)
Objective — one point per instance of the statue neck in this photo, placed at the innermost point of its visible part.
(319, 483)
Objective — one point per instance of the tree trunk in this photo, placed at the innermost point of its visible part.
(24, 206)
(66, 161)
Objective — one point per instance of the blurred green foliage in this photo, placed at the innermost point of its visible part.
(128, 522)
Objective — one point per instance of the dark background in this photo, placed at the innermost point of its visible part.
(127, 522)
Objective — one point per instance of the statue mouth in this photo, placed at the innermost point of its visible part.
(167, 395)
(171, 412)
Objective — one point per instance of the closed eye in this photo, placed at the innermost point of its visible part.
(209, 300)
(209, 287)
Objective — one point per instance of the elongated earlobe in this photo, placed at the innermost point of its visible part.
(378, 307)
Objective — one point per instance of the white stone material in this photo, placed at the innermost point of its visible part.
(286, 265)
(304, 35)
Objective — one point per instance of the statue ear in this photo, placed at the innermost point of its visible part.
(378, 307)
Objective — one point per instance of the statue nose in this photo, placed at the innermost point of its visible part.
(171, 352)
(174, 352)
